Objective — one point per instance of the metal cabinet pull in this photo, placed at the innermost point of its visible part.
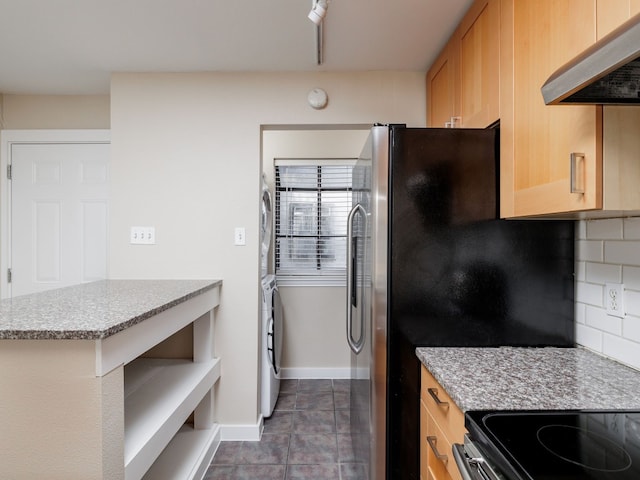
(432, 441)
(452, 122)
(434, 394)
(577, 172)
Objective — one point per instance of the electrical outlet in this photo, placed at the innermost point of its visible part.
(614, 299)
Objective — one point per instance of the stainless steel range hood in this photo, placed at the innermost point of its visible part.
(606, 73)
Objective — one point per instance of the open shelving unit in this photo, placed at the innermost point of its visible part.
(160, 395)
(169, 428)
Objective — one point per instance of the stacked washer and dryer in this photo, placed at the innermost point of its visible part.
(271, 317)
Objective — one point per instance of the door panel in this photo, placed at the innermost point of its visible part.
(46, 255)
(94, 235)
(59, 213)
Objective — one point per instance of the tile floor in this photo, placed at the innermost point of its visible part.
(306, 438)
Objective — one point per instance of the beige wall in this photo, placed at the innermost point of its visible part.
(54, 111)
(314, 335)
(83, 414)
(186, 159)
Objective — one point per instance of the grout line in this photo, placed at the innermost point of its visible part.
(338, 463)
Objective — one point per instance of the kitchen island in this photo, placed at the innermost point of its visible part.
(93, 387)
(513, 378)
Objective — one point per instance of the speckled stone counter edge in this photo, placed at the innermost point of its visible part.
(122, 308)
(515, 378)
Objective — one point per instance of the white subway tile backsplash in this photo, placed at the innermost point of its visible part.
(623, 350)
(608, 251)
(632, 302)
(631, 328)
(589, 251)
(610, 229)
(631, 277)
(632, 228)
(603, 273)
(581, 313)
(581, 271)
(589, 337)
(622, 252)
(598, 318)
(589, 293)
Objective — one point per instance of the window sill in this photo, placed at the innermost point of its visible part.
(310, 281)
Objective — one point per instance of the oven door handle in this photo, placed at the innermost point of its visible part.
(472, 468)
(461, 461)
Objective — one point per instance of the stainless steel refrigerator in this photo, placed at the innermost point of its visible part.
(431, 264)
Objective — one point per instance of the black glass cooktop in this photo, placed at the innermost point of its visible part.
(563, 445)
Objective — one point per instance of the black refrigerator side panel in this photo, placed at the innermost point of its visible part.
(438, 178)
(458, 276)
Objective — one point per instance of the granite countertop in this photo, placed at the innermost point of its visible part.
(93, 310)
(513, 378)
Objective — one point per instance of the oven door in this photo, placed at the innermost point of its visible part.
(472, 464)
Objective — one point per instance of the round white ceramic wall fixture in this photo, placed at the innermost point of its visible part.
(318, 98)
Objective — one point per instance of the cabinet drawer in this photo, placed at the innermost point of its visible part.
(424, 431)
(436, 440)
(446, 413)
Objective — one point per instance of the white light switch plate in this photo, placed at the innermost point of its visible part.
(240, 236)
(143, 235)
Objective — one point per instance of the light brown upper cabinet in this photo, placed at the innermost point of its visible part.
(537, 141)
(612, 13)
(479, 46)
(441, 83)
(566, 161)
(621, 127)
(463, 83)
(556, 160)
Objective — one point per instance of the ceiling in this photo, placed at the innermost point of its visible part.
(72, 46)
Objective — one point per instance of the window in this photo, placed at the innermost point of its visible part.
(313, 199)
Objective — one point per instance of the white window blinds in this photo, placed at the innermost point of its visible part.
(313, 200)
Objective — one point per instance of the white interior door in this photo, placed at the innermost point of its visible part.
(59, 215)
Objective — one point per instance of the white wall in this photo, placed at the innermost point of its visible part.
(186, 159)
(608, 251)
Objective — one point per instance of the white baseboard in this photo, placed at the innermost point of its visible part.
(242, 433)
(318, 373)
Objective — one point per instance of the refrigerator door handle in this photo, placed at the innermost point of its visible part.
(354, 345)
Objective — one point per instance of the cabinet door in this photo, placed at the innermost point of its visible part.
(478, 40)
(612, 13)
(539, 36)
(441, 83)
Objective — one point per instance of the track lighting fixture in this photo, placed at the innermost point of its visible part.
(318, 11)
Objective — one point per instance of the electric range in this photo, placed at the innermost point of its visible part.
(551, 445)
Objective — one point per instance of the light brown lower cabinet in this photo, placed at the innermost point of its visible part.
(441, 425)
